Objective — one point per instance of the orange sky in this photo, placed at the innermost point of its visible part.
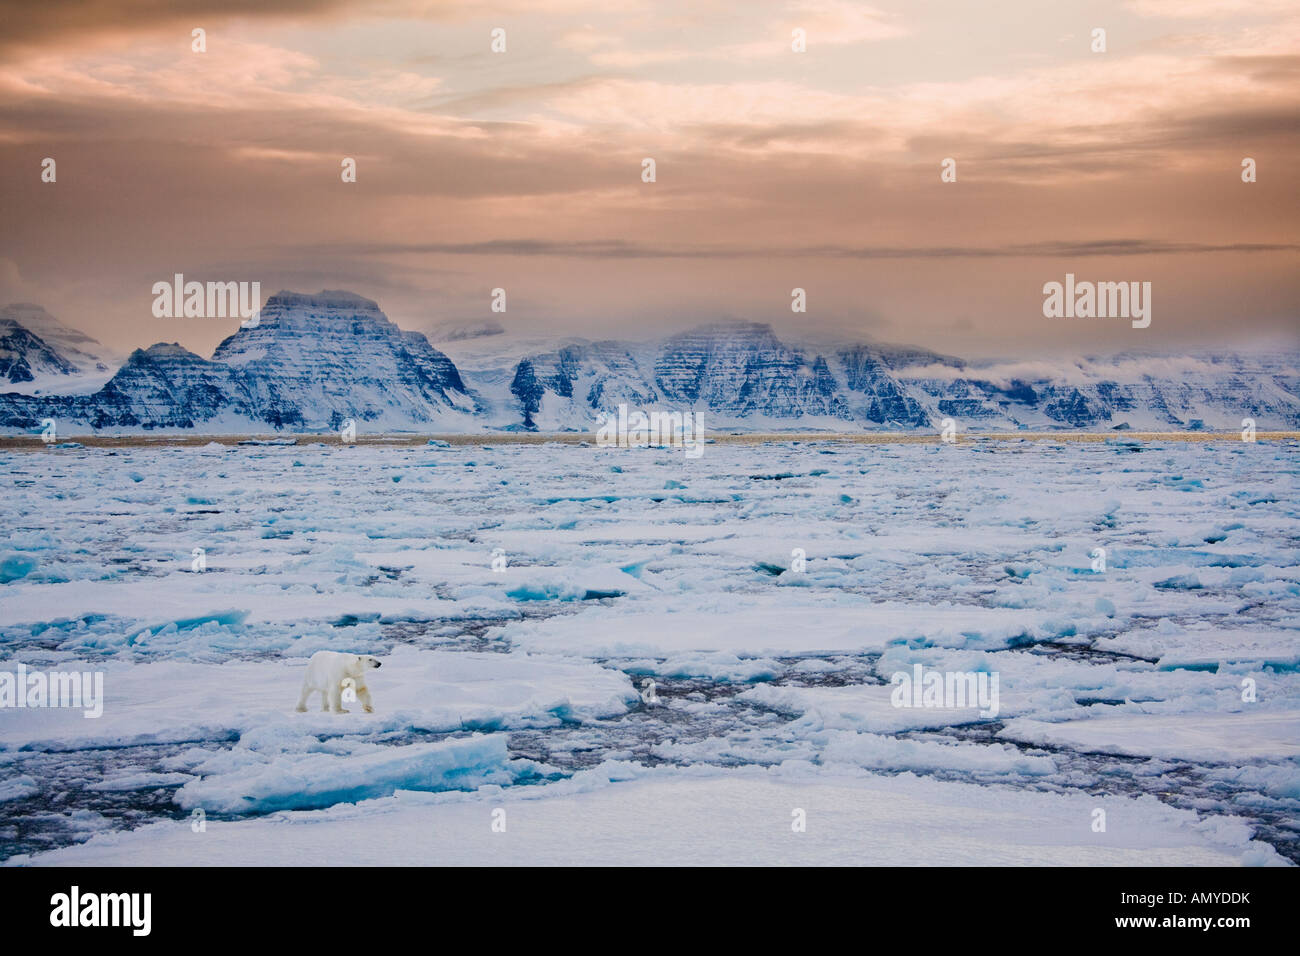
(775, 169)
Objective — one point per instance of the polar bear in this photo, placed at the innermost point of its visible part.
(328, 671)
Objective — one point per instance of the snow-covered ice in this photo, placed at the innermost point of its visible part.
(674, 818)
(648, 658)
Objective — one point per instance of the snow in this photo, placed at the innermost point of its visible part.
(1169, 682)
(746, 818)
(15, 787)
(294, 781)
(860, 708)
(772, 625)
(1175, 648)
(176, 701)
(1205, 738)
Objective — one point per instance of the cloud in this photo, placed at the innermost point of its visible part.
(627, 249)
(1124, 369)
(699, 37)
(13, 287)
(1209, 9)
(28, 25)
(775, 169)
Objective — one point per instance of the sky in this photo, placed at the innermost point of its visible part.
(774, 169)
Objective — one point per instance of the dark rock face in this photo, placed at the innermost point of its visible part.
(588, 377)
(867, 371)
(528, 390)
(166, 386)
(1070, 406)
(743, 369)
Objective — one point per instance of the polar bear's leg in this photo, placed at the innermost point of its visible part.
(324, 701)
(336, 699)
(302, 698)
(363, 695)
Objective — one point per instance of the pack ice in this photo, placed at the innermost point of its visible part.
(602, 655)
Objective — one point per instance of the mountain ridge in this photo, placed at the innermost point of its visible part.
(314, 361)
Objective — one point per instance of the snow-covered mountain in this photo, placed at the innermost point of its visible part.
(311, 363)
(40, 353)
(25, 356)
(747, 378)
(315, 361)
(1131, 390)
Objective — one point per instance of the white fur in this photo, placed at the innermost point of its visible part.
(326, 672)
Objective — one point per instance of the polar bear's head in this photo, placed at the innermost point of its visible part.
(367, 662)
